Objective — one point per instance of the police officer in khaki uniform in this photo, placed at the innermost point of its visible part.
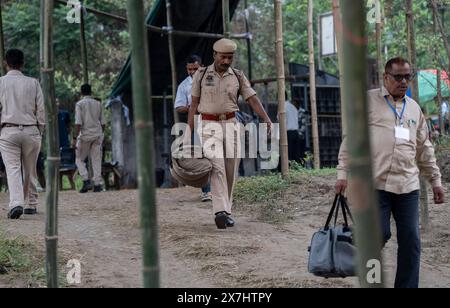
(22, 123)
(215, 93)
(90, 127)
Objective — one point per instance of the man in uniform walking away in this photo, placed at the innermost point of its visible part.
(90, 126)
(215, 93)
(400, 148)
(183, 101)
(22, 124)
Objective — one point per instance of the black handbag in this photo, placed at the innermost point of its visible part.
(332, 252)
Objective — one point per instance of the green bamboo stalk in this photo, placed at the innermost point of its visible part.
(361, 186)
(378, 30)
(84, 57)
(53, 155)
(281, 88)
(412, 46)
(173, 63)
(312, 86)
(226, 18)
(2, 42)
(142, 104)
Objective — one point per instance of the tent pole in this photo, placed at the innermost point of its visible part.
(53, 155)
(173, 64)
(226, 18)
(142, 102)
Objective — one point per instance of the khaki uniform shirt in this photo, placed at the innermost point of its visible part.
(88, 114)
(21, 100)
(219, 94)
(396, 162)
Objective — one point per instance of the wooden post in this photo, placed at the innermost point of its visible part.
(2, 43)
(281, 89)
(142, 102)
(53, 155)
(173, 63)
(226, 18)
(84, 57)
(312, 86)
(361, 186)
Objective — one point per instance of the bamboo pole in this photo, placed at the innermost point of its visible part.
(379, 44)
(439, 101)
(281, 88)
(53, 155)
(226, 18)
(84, 57)
(337, 17)
(173, 63)
(142, 103)
(2, 43)
(312, 86)
(361, 186)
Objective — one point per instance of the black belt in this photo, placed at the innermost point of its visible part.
(16, 125)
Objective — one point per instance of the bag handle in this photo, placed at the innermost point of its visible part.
(346, 208)
(330, 215)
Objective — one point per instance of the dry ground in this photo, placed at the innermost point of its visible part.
(102, 231)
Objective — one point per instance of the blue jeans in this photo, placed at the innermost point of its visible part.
(405, 209)
(206, 189)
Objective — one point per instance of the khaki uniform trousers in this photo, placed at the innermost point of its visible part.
(20, 148)
(221, 145)
(93, 149)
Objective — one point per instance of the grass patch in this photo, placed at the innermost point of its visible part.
(266, 196)
(22, 263)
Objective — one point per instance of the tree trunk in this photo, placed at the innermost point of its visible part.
(361, 186)
(379, 44)
(440, 25)
(53, 155)
(312, 86)
(2, 43)
(281, 88)
(142, 104)
(84, 57)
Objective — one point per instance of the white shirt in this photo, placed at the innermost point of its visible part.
(291, 116)
(184, 96)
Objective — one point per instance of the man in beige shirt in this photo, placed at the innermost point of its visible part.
(22, 123)
(215, 93)
(90, 127)
(400, 148)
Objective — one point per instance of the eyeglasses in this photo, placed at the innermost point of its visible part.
(407, 77)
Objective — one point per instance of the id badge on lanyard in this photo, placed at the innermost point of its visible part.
(400, 131)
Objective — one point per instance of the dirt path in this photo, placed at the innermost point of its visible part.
(102, 231)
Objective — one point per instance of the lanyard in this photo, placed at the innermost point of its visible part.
(399, 116)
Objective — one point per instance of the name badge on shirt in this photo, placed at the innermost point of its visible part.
(402, 133)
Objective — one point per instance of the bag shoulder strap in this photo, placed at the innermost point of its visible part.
(239, 81)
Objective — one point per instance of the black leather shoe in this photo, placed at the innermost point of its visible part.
(230, 222)
(30, 211)
(15, 213)
(221, 220)
(86, 187)
(98, 188)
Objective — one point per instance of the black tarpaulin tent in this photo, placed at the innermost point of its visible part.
(193, 15)
(204, 16)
